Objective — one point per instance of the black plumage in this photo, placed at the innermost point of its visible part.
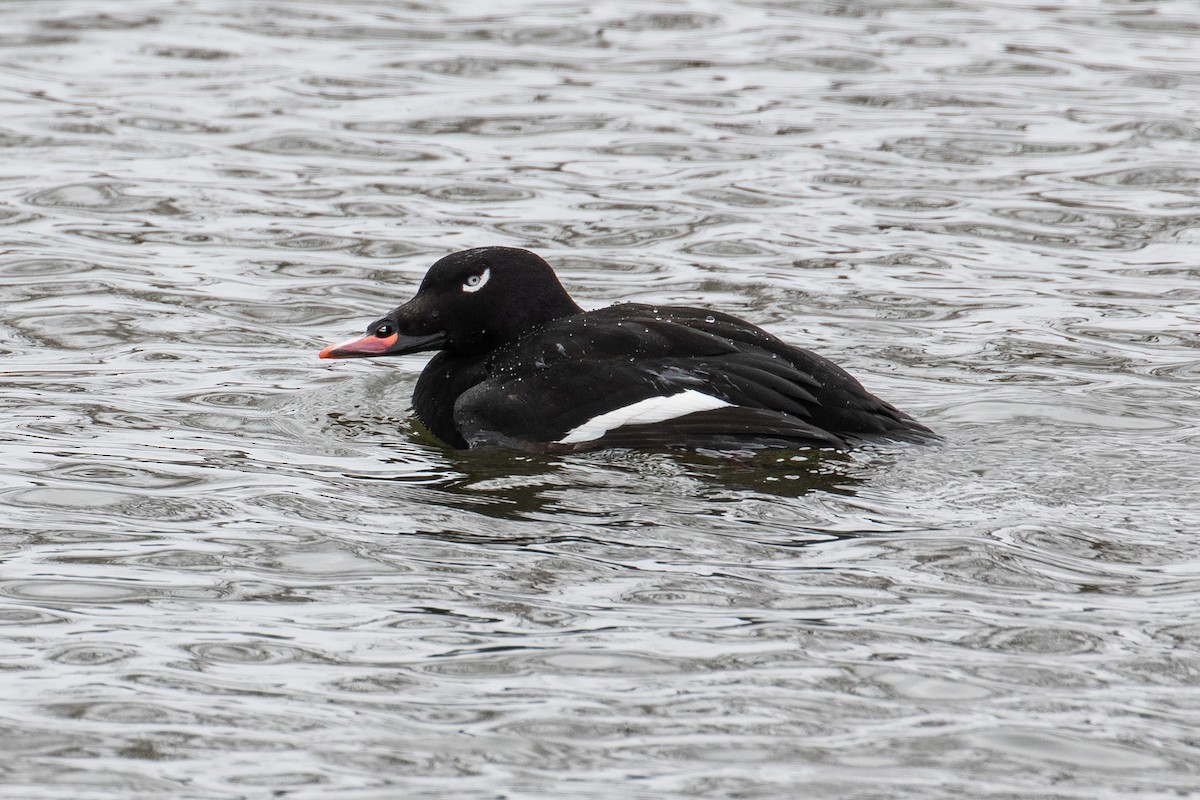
(522, 366)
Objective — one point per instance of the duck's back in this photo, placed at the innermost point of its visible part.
(635, 375)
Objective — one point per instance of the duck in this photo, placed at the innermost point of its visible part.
(519, 365)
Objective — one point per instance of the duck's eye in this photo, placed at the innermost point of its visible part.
(476, 282)
(385, 330)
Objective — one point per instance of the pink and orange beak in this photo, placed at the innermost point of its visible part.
(371, 345)
(365, 347)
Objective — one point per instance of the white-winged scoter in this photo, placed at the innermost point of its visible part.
(520, 365)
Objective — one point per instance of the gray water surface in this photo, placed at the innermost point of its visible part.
(231, 570)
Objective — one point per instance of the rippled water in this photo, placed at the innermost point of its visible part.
(232, 570)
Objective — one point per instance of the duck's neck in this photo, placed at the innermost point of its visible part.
(444, 378)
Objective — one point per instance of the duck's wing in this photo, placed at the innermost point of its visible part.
(639, 376)
(842, 404)
(640, 403)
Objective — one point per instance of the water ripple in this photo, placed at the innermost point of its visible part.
(232, 568)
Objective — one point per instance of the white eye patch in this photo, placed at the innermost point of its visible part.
(476, 282)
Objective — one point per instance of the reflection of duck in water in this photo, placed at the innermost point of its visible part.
(522, 366)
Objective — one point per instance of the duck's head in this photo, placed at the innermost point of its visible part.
(469, 302)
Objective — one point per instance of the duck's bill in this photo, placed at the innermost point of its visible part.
(394, 345)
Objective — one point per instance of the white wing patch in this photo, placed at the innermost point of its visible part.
(652, 409)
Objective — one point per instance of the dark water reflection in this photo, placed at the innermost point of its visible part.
(231, 570)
